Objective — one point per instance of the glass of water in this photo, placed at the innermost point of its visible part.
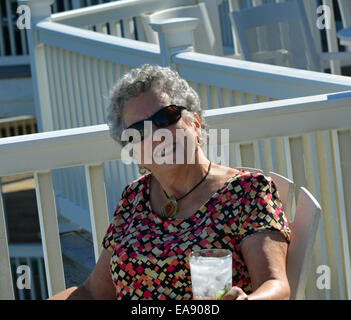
(211, 273)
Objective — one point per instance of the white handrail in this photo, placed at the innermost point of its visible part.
(31, 151)
(118, 10)
(103, 46)
(333, 111)
(256, 78)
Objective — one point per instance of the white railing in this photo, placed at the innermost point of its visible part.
(306, 139)
(13, 42)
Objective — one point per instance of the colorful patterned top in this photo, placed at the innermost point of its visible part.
(150, 253)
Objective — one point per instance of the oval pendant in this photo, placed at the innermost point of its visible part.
(170, 207)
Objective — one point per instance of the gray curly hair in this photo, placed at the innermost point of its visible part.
(162, 80)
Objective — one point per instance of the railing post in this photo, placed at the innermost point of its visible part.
(40, 10)
(97, 204)
(6, 287)
(49, 232)
(175, 35)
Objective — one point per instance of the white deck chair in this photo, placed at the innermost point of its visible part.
(304, 229)
(204, 37)
(280, 15)
(345, 12)
(273, 14)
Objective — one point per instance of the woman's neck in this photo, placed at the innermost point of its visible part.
(178, 179)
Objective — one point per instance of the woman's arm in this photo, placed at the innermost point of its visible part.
(265, 256)
(98, 286)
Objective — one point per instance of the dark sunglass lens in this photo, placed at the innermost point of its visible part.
(167, 116)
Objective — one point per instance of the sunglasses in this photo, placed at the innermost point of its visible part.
(162, 118)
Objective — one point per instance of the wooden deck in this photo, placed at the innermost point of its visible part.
(21, 208)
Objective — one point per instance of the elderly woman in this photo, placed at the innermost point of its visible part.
(179, 207)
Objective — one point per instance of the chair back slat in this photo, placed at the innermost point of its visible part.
(304, 229)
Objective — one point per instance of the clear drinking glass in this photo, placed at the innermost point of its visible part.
(211, 273)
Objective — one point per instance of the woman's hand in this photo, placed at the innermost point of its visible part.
(235, 293)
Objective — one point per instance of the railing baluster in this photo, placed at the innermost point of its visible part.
(213, 97)
(52, 86)
(97, 205)
(341, 143)
(236, 97)
(49, 232)
(66, 5)
(41, 278)
(328, 211)
(91, 90)
(23, 42)
(6, 286)
(247, 155)
(258, 161)
(10, 28)
(73, 96)
(203, 96)
(78, 89)
(115, 28)
(32, 291)
(336, 214)
(267, 155)
(280, 156)
(95, 77)
(54, 7)
(226, 102)
(68, 88)
(88, 108)
(2, 40)
(128, 28)
(234, 155)
(318, 253)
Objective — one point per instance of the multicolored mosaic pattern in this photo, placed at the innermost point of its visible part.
(150, 253)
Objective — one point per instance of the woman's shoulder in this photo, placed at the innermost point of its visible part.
(250, 177)
(136, 186)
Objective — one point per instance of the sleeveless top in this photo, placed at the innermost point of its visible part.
(150, 258)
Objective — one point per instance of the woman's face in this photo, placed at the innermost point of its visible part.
(172, 145)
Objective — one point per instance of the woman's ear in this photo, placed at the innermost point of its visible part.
(198, 123)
